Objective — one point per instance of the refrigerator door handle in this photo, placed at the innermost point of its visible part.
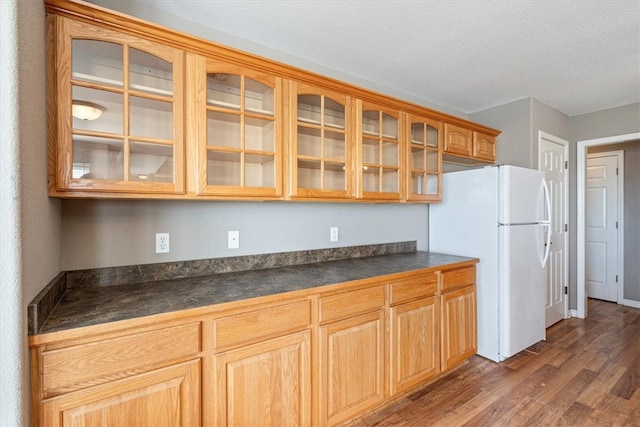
(547, 223)
(547, 199)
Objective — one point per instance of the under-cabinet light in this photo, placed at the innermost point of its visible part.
(84, 110)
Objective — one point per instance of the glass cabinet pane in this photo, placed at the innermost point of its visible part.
(224, 168)
(150, 118)
(432, 161)
(309, 109)
(390, 154)
(110, 105)
(333, 113)
(371, 122)
(334, 176)
(149, 73)
(260, 170)
(97, 158)
(258, 97)
(389, 126)
(223, 90)
(309, 173)
(370, 151)
(259, 134)
(432, 136)
(151, 162)
(309, 141)
(97, 61)
(417, 133)
(223, 130)
(334, 145)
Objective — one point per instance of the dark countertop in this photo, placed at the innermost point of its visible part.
(87, 306)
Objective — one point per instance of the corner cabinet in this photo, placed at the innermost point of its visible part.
(116, 112)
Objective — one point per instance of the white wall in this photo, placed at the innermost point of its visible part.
(30, 221)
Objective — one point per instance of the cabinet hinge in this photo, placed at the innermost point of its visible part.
(566, 290)
(566, 164)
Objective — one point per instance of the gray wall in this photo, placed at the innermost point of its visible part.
(110, 233)
(631, 178)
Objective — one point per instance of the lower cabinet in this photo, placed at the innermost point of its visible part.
(414, 336)
(324, 358)
(459, 335)
(167, 397)
(351, 367)
(265, 384)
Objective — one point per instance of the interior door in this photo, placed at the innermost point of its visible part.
(601, 249)
(552, 158)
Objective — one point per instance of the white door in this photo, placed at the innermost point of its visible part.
(553, 154)
(601, 210)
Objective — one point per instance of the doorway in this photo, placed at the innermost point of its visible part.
(553, 155)
(582, 146)
(604, 222)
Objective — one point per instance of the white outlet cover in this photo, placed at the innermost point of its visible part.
(162, 243)
(234, 240)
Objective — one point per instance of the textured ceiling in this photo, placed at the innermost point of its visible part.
(578, 56)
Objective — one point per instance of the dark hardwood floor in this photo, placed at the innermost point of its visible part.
(587, 372)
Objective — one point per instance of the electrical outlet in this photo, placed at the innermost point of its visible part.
(162, 243)
(333, 234)
(234, 240)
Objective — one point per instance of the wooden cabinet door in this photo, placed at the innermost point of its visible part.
(423, 160)
(265, 384)
(457, 140)
(321, 146)
(168, 397)
(459, 335)
(134, 143)
(238, 114)
(415, 338)
(351, 367)
(484, 147)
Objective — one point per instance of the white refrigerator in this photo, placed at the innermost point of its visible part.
(499, 214)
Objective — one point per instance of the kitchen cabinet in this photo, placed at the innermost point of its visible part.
(459, 324)
(116, 112)
(179, 117)
(468, 145)
(379, 152)
(414, 332)
(321, 151)
(238, 114)
(142, 377)
(352, 353)
(323, 355)
(423, 160)
(262, 366)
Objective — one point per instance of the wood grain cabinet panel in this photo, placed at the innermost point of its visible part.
(457, 140)
(484, 147)
(78, 366)
(167, 397)
(347, 304)
(265, 384)
(407, 290)
(351, 367)
(458, 330)
(458, 278)
(415, 338)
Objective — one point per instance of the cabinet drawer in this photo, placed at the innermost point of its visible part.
(411, 289)
(270, 322)
(457, 278)
(347, 304)
(72, 368)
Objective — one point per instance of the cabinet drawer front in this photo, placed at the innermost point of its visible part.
(270, 322)
(457, 278)
(351, 303)
(408, 290)
(76, 367)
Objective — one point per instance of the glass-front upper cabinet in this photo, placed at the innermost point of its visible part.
(379, 152)
(320, 143)
(424, 164)
(118, 101)
(239, 126)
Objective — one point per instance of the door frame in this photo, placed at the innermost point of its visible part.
(581, 309)
(619, 154)
(563, 142)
